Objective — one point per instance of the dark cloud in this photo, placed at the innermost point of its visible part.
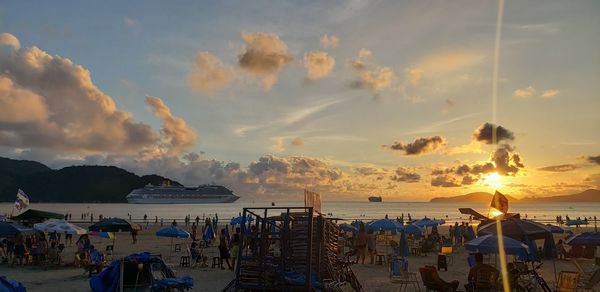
(594, 159)
(405, 175)
(264, 55)
(484, 134)
(559, 168)
(444, 181)
(420, 146)
(502, 161)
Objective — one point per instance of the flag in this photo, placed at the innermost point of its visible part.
(22, 201)
(312, 199)
(499, 202)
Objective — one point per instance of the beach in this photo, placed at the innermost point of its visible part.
(373, 277)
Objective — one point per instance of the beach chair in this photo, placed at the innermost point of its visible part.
(399, 274)
(567, 281)
(432, 281)
(592, 282)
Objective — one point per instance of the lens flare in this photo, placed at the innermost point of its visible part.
(493, 180)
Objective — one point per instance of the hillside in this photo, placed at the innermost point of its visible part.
(477, 197)
(590, 195)
(74, 184)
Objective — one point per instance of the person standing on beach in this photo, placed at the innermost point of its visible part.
(223, 250)
(194, 231)
(134, 236)
(234, 246)
(174, 223)
(372, 247)
(361, 244)
(197, 220)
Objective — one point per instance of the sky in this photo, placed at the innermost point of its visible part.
(346, 98)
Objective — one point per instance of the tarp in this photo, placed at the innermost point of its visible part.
(489, 244)
(586, 238)
(37, 215)
(7, 285)
(114, 225)
(12, 229)
(108, 279)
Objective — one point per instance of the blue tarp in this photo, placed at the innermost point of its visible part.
(586, 238)
(108, 279)
(209, 233)
(7, 285)
(181, 283)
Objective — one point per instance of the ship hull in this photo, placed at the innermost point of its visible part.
(215, 200)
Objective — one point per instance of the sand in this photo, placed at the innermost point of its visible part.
(373, 277)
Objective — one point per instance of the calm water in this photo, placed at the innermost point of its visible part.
(346, 210)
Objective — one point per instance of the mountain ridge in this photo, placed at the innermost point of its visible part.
(589, 195)
(72, 184)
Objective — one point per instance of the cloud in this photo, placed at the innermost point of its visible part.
(176, 135)
(298, 142)
(329, 41)
(423, 145)
(68, 112)
(442, 63)
(7, 39)
(559, 168)
(264, 55)
(484, 134)
(318, 64)
(365, 53)
(594, 159)
(503, 161)
(414, 75)
(375, 80)
(550, 93)
(278, 145)
(209, 73)
(131, 22)
(524, 93)
(444, 181)
(19, 105)
(405, 175)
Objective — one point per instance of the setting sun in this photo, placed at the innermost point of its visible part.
(493, 180)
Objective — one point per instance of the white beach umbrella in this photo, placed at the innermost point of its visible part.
(59, 226)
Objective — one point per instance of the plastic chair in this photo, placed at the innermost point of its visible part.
(399, 274)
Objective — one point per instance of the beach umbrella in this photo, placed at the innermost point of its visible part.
(576, 222)
(172, 232)
(114, 225)
(426, 222)
(209, 233)
(518, 229)
(12, 229)
(403, 245)
(383, 224)
(586, 238)
(555, 229)
(109, 235)
(59, 226)
(489, 244)
(348, 228)
(356, 223)
(239, 220)
(412, 229)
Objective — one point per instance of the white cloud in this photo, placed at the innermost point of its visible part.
(318, 64)
(329, 41)
(525, 92)
(550, 93)
(209, 73)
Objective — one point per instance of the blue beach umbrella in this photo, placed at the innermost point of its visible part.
(239, 220)
(11, 229)
(403, 246)
(412, 229)
(209, 233)
(172, 232)
(426, 222)
(356, 223)
(586, 238)
(348, 228)
(555, 229)
(383, 224)
(489, 244)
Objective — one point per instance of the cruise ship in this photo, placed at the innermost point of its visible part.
(168, 194)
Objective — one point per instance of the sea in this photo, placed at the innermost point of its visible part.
(345, 211)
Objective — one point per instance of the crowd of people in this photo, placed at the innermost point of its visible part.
(32, 249)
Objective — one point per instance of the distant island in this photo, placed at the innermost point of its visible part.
(590, 195)
(73, 184)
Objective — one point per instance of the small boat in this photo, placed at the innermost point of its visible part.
(375, 199)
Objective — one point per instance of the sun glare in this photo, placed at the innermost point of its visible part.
(494, 212)
(493, 180)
